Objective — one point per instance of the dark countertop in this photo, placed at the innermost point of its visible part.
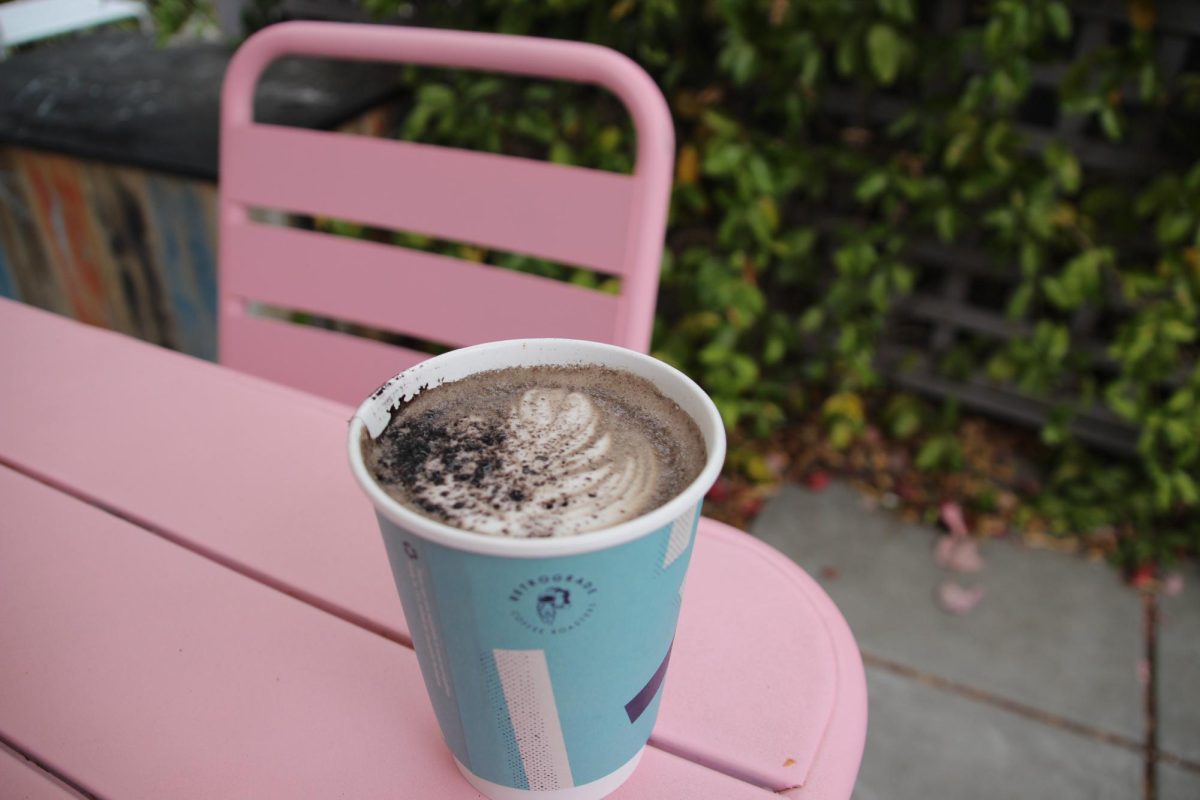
(119, 97)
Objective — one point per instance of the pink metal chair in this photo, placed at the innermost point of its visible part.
(608, 222)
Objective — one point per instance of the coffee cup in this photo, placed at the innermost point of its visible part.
(544, 658)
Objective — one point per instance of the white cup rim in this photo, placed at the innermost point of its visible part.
(680, 386)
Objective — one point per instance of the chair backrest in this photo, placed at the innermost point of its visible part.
(608, 222)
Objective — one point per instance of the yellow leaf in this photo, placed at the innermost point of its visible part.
(621, 9)
(758, 470)
(1142, 14)
(769, 210)
(841, 435)
(688, 104)
(776, 14)
(687, 168)
(846, 405)
(609, 138)
(1063, 216)
(468, 253)
(1191, 257)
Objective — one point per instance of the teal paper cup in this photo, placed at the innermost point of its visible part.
(544, 658)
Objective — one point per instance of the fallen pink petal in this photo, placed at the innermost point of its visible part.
(952, 518)
(957, 554)
(959, 599)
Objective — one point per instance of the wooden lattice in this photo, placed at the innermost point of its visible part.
(962, 290)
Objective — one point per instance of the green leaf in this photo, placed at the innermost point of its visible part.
(1186, 487)
(929, 457)
(1148, 82)
(585, 279)
(1174, 227)
(1119, 401)
(944, 222)
(1030, 258)
(561, 153)
(903, 278)
(901, 10)
(810, 71)
(1005, 87)
(1018, 304)
(730, 410)
(906, 423)
(1000, 368)
(435, 96)
(739, 59)
(957, 148)
(609, 138)
(1059, 18)
(1110, 123)
(871, 186)
(1178, 331)
(774, 350)
(722, 158)
(1177, 432)
(846, 57)
(744, 369)
(1053, 434)
(721, 124)
(1060, 342)
(885, 50)
(812, 319)
(714, 353)
(1065, 166)
(760, 171)
(841, 434)
(994, 35)
(1180, 400)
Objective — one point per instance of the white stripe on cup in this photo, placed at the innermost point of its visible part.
(525, 679)
(681, 534)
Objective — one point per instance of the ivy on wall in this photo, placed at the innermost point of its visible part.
(818, 141)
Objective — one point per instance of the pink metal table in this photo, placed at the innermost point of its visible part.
(195, 602)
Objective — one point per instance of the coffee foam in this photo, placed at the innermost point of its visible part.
(537, 451)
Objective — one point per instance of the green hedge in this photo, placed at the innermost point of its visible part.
(791, 222)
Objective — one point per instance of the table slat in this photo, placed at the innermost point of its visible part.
(153, 434)
(136, 669)
(21, 779)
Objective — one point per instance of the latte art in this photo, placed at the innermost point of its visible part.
(537, 451)
(594, 486)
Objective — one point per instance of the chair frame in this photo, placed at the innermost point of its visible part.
(269, 166)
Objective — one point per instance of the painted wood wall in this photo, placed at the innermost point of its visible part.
(118, 247)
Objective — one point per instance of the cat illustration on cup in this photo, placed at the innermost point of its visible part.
(550, 601)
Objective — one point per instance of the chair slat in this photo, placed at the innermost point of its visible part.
(424, 295)
(568, 214)
(332, 364)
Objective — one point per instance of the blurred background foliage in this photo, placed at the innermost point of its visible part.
(794, 218)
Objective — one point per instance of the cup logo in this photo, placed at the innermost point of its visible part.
(549, 603)
(553, 604)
